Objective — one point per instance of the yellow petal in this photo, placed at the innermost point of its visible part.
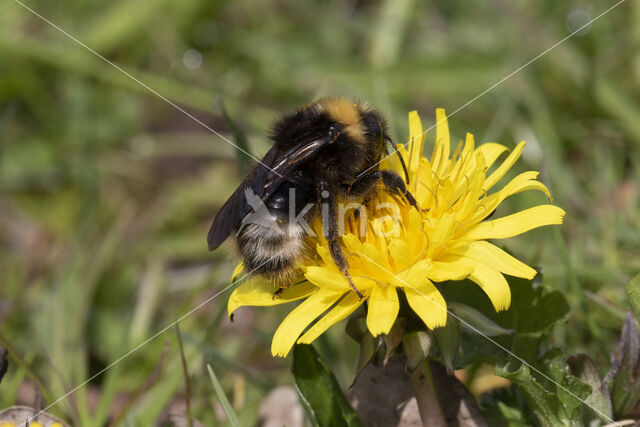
(443, 271)
(385, 226)
(327, 278)
(260, 292)
(440, 157)
(414, 229)
(526, 186)
(517, 223)
(416, 138)
(236, 271)
(489, 279)
(498, 259)
(345, 307)
(400, 253)
(374, 260)
(524, 182)
(423, 183)
(412, 276)
(504, 167)
(352, 243)
(383, 310)
(493, 284)
(474, 189)
(491, 151)
(469, 144)
(467, 157)
(427, 302)
(442, 234)
(299, 318)
(324, 253)
(391, 162)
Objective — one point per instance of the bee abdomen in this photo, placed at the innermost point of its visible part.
(272, 249)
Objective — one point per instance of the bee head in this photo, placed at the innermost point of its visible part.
(348, 120)
(357, 121)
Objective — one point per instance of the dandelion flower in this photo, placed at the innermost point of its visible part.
(397, 247)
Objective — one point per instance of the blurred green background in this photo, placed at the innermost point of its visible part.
(107, 191)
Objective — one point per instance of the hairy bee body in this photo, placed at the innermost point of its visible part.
(272, 252)
(273, 247)
(324, 152)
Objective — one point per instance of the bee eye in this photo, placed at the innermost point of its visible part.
(334, 130)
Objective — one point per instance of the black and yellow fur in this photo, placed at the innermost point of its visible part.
(325, 152)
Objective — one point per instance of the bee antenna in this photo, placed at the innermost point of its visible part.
(395, 148)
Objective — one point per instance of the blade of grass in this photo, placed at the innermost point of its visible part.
(156, 400)
(187, 381)
(70, 58)
(121, 21)
(148, 298)
(390, 32)
(619, 105)
(15, 355)
(211, 351)
(239, 138)
(74, 413)
(153, 378)
(231, 415)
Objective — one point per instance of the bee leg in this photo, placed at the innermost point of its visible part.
(395, 185)
(391, 180)
(364, 187)
(330, 228)
(341, 262)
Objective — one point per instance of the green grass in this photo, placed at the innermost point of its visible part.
(106, 191)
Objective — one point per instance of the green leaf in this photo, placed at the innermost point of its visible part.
(474, 321)
(555, 396)
(394, 338)
(356, 328)
(632, 289)
(585, 369)
(542, 402)
(571, 392)
(319, 390)
(369, 346)
(228, 410)
(506, 406)
(534, 310)
(416, 348)
(448, 340)
(622, 379)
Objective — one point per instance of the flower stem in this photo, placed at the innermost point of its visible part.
(428, 403)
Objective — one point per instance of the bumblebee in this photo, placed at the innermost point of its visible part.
(322, 153)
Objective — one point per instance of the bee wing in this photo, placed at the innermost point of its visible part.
(264, 179)
(285, 164)
(230, 215)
